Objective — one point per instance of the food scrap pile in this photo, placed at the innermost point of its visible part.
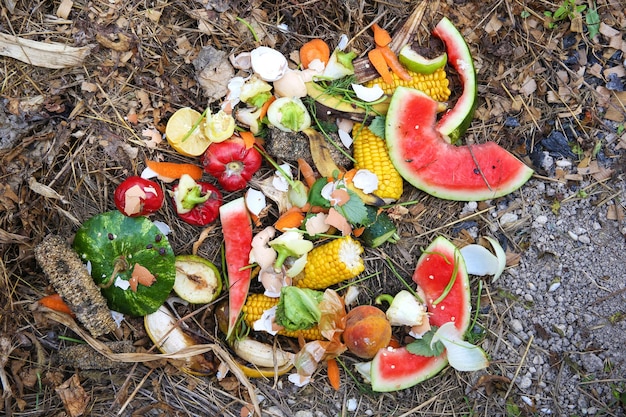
(302, 231)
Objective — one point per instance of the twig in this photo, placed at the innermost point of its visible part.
(519, 367)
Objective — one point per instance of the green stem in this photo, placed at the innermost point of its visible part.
(273, 163)
(250, 28)
(446, 290)
(388, 298)
(408, 287)
(195, 125)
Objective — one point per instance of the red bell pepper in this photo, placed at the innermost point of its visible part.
(196, 202)
(231, 163)
(237, 230)
(137, 196)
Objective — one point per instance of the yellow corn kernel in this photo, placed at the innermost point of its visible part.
(370, 152)
(436, 85)
(331, 263)
(257, 304)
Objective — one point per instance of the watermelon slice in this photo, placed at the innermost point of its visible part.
(423, 158)
(396, 369)
(456, 120)
(237, 230)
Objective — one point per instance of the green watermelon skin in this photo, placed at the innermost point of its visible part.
(456, 120)
(396, 369)
(424, 159)
(106, 237)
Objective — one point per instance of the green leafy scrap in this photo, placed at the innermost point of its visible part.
(378, 126)
(422, 347)
(354, 209)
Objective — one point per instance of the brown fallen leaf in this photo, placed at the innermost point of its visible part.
(73, 396)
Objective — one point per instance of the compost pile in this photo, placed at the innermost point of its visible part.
(86, 105)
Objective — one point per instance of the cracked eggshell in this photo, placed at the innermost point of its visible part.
(269, 64)
(290, 85)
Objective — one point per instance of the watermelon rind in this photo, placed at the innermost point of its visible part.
(420, 64)
(110, 236)
(394, 369)
(457, 119)
(423, 158)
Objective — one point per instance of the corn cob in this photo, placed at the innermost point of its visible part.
(256, 304)
(331, 263)
(436, 85)
(72, 281)
(370, 152)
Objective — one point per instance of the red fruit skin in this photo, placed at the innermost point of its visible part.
(367, 331)
(203, 213)
(150, 204)
(231, 163)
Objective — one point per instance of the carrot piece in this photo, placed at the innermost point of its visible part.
(380, 64)
(314, 49)
(248, 139)
(290, 219)
(307, 172)
(56, 303)
(174, 170)
(381, 36)
(332, 369)
(266, 106)
(394, 63)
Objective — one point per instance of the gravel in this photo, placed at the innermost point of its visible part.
(563, 308)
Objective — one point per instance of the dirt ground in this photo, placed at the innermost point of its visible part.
(548, 91)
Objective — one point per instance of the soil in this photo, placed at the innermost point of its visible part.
(551, 92)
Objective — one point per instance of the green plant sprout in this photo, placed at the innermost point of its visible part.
(567, 10)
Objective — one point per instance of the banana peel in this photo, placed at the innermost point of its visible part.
(326, 166)
(338, 104)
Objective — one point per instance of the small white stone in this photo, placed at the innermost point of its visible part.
(351, 404)
(573, 235)
(584, 239)
(554, 286)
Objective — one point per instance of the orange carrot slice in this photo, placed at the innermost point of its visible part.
(307, 172)
(266, 106)
(56, 303)
(314, 49)
(394, 63)
(248, 139)
(332, 369)
(292, 218)
(377, 59)
(381, 36)
(174, 170)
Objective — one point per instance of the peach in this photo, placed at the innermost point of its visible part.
(367, 331)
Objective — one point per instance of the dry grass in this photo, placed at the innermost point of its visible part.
(75, 140)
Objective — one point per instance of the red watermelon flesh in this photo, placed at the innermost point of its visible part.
(395, 369)
(423, 158)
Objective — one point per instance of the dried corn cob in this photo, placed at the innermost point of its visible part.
(436, 85)
(70, 279)
(331, 263)
(370, 152)
(256, 304)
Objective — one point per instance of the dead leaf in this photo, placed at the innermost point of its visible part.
(73, 396)
(492, 383)
(44, 190)
(121, 44)
(493, 25)
(529, 86)
(213, 71)
(615, 212)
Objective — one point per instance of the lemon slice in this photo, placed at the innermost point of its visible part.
(184, 132)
